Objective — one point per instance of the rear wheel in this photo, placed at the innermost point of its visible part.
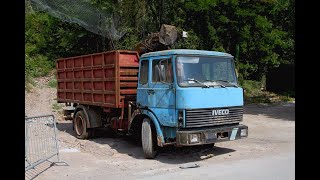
(80, 125)
(148, 138)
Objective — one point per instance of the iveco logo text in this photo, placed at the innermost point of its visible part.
(220, 112)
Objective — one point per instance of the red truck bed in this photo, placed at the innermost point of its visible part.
(101, 79)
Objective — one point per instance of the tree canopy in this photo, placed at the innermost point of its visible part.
(260, 34)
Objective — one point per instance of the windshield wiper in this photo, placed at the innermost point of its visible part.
(216, 82)
(199, 82)
(234, 85)
(228, 82)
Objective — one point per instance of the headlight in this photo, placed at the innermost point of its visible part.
(243, 132)
(194, 138)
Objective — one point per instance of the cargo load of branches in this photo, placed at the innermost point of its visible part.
(158, 41)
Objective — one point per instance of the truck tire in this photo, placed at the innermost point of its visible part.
(148, 138)
(80, 125)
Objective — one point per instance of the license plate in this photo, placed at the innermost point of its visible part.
(211, 135)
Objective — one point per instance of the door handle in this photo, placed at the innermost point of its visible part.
(150, 91)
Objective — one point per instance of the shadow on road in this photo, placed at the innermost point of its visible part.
(174, 155)
(280, 111)
(65, 126)
(168, 154)
(41, 168)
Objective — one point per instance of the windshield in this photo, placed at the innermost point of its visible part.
(210, 71)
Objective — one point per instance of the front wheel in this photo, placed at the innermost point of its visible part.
(148, 138)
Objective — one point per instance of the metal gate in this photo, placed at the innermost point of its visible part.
(41, 141)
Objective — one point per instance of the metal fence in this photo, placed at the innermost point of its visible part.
(41, 141)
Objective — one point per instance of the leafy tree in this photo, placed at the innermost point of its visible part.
(260, 34)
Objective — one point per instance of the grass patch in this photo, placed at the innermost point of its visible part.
(56, 106)
(28, 87)
(29, 82)
(36, 66)
(53, 83)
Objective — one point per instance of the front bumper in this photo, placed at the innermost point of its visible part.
(211, 135)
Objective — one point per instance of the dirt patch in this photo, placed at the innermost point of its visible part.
(41, 99)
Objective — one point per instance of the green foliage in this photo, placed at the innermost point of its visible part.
(56, 107)
(255, 93)
(252, 88)
(28, 82)
(37, 66)
(192, 42)
(289, 94)
(129, 41)
(260, 34)
(285, 98)
(53, 83)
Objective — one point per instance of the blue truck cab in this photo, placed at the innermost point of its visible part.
(188, 97)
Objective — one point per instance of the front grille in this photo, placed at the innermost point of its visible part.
(204, 117)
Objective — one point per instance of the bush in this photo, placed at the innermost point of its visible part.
(37, 66)
(252, 88)
(255, 93)
(289, 94)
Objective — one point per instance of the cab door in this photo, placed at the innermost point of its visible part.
(161, 91)
(143, 83)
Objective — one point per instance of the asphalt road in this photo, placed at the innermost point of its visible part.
(278, 167)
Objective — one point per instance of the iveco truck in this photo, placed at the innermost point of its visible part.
(178, 97)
